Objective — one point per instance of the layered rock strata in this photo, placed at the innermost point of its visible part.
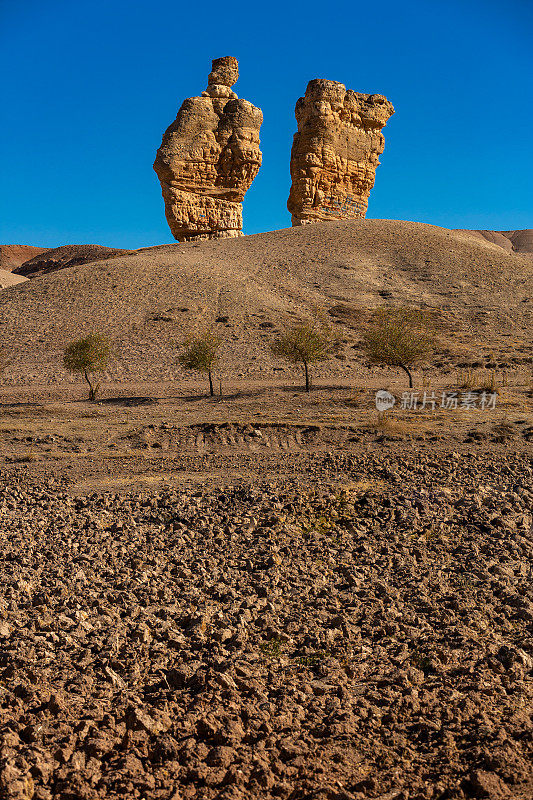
(335, 152)
(208, 159)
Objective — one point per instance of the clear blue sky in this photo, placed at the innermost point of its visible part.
(89, 86)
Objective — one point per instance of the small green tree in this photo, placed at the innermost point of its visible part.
(399, 337)
(201, 355)
(87, 356)
(305, 344)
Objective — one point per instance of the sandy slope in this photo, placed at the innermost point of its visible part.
(152, 297)
(8, 279)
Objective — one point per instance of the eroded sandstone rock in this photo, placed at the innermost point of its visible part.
(208, 159)
(335, 152)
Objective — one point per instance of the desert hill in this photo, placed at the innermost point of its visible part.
(148, 299)
(8, 279)
(13, 255)
(510, 241)
(522, 240)
(68, 255)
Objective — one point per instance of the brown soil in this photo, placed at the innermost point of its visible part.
(295, 603)
(147, 433)
(522, 240)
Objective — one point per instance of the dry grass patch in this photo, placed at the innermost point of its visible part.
(413, 427)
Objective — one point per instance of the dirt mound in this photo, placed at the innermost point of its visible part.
(510, 241)
(8, 279)
(148, 299)
(13, 255)
(69, 255)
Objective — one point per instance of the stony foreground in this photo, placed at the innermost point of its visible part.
(264, 641)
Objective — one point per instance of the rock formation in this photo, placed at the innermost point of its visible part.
(335, 152)
(208, 159)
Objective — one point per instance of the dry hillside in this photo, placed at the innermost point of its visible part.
(150, 298)
(13, 255)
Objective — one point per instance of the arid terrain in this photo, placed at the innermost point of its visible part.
(9, 279)
(65, 256)
(269, 593)
(14, 255)
(150, 299)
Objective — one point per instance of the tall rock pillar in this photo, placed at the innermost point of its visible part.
(208, 159)
(335, 152)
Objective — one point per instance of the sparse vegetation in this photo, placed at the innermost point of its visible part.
(28, 457)
(306, 344)
(89, 355)
(399, 337)
(466, 378)
(481, 380)
(490, 382)
(273, 648)
(201, 355)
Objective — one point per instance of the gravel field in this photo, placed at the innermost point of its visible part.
(272, 640)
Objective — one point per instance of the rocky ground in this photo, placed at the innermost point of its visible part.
(294, 638)
(268, 593)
